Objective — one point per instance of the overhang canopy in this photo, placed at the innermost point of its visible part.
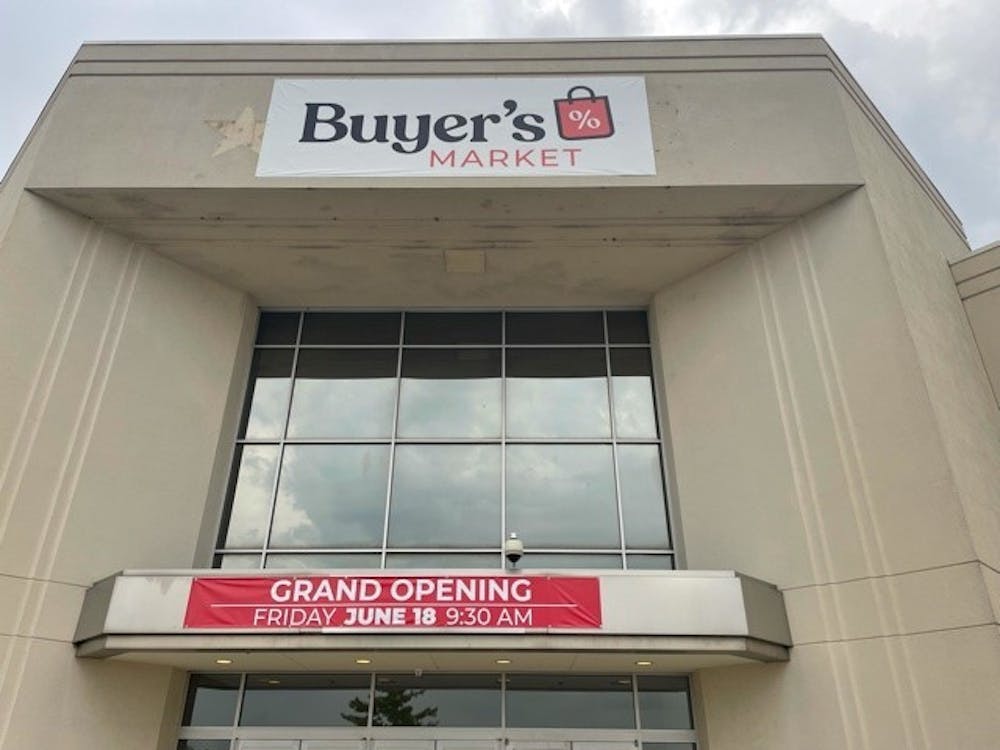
(677, 620)
(473, 246)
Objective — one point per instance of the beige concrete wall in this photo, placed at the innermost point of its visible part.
(719, 116)
(978, 281)
(918, 244)
(116, 367)
(810, 449)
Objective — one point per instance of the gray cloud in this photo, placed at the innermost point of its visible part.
(928, 66)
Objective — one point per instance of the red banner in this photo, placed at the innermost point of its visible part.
(391, 602)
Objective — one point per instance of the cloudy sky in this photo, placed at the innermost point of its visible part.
(929, 65)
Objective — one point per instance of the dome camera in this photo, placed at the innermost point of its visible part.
(513, 549)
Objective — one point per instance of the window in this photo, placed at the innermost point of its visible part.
(408, 440)
(654, 710)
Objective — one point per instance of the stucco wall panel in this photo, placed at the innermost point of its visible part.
(693, 117)
(784, 387)
(58, 604)
(65, 390)
(120, 367)
(726, 427)
(48, 277)
(67, 703)
(992, 581)
(815, 376)
(918, 243)
(984, 316)
(738, 705)
(926, 600)
(957, 678)
(849, 695)
(876, 432)
(710, 127)
(153, 441)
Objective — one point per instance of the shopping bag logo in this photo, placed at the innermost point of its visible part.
(584, 117)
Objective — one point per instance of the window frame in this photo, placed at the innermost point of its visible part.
(672, 552)
(637, 735)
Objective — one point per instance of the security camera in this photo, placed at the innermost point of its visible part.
(513, 549)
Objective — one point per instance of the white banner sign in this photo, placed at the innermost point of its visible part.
(457, 127)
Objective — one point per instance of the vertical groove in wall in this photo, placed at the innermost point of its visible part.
(808, 512)
(24, 439)
(44, 376)
(847, 678)
(60, 503)
(849, 468)
(859, 488)
(96, 386)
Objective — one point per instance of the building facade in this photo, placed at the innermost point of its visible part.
(297, 336)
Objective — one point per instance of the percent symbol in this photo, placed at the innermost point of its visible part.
(584, 119)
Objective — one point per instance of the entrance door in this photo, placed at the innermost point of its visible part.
(434, 744)
(301, 745)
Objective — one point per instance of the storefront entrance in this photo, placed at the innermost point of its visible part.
(437, 712)
(455, 744)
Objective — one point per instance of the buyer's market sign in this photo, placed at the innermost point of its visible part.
(350, 602)
(457, 127)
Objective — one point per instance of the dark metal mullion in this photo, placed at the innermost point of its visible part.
(371, 703)
(393, 439)
(239, 709)
(614, 444)
(503, 438)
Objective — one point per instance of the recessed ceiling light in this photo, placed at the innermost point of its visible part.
(273, 682)
(362, 661)
(223, 661)
(643, 663)
(503, 661)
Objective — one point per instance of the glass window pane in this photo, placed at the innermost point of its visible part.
(554, 393)
(451, 560)
(445, 496)
(278, 328)
(350, 328)
(452, 328)
(237, 562)
(650, 562)
(211, 700)
(628, 327)
(450, 393)
(556, 561)
(562, 496)
(203, 745)
(344, 393)
(643, 506)
(323, 562)
(305, 700)
(331, 496)
(251, 505)
(584, 701)
(555, 328)
(436, 700)
(267, 394)
(635, 413)
(664, 703)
